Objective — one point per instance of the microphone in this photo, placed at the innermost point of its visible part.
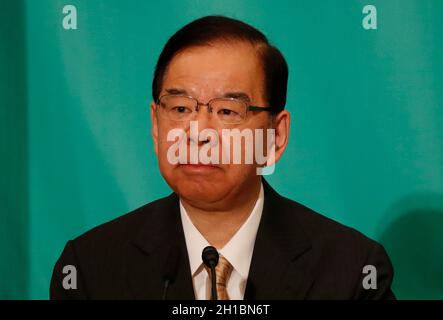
(210, 258)
(171, 269)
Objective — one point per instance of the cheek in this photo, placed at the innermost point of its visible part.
(260, 126)
(163, 146)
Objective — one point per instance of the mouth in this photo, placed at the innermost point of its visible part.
(198, 168)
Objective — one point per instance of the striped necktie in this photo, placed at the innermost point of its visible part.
(222, 271)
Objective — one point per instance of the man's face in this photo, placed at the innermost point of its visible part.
(205, 73)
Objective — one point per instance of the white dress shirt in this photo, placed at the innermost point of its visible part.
(238, 251)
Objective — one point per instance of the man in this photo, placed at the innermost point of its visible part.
(221, 74)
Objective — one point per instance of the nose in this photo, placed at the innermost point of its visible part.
(204, 116)
(204, 119)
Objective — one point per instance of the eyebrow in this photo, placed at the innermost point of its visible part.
(237, 95)
(176, 91)
(234, 94)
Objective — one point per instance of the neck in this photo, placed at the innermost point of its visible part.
(218, 226)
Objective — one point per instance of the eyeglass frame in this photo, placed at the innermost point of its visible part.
(248, 106)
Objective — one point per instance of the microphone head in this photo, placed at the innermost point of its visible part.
(210, 256)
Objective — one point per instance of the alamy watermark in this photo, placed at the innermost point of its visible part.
(219, 150)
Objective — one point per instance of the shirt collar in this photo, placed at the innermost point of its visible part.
(238, 251)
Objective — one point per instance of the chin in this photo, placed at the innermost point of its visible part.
(200, 191)
(199, 199)
(202, 185)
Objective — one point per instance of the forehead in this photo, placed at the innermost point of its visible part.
(210, 70)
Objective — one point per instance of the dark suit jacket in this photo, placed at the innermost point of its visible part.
(298, 254)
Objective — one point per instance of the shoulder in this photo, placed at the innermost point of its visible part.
(118, 232)
(338, 255)
(100, 256)
(324, 232)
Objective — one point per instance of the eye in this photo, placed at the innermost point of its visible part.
(227, 112)
(181, 109)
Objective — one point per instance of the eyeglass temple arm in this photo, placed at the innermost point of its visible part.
(255, 108)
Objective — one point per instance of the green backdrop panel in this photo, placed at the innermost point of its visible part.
(366, 137)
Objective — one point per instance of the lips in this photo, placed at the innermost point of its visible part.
(199, 168)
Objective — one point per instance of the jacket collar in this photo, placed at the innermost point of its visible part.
(280, 265)
(151, 260)
(277, 267)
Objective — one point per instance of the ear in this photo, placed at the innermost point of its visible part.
(281, 125)
(154, 130)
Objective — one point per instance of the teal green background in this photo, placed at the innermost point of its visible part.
(366, 144)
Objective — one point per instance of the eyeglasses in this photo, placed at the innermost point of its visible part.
(226, 110)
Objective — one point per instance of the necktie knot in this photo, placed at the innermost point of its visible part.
(222, 271)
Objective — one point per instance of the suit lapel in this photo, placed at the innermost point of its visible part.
(280, 262)
(149, 254)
